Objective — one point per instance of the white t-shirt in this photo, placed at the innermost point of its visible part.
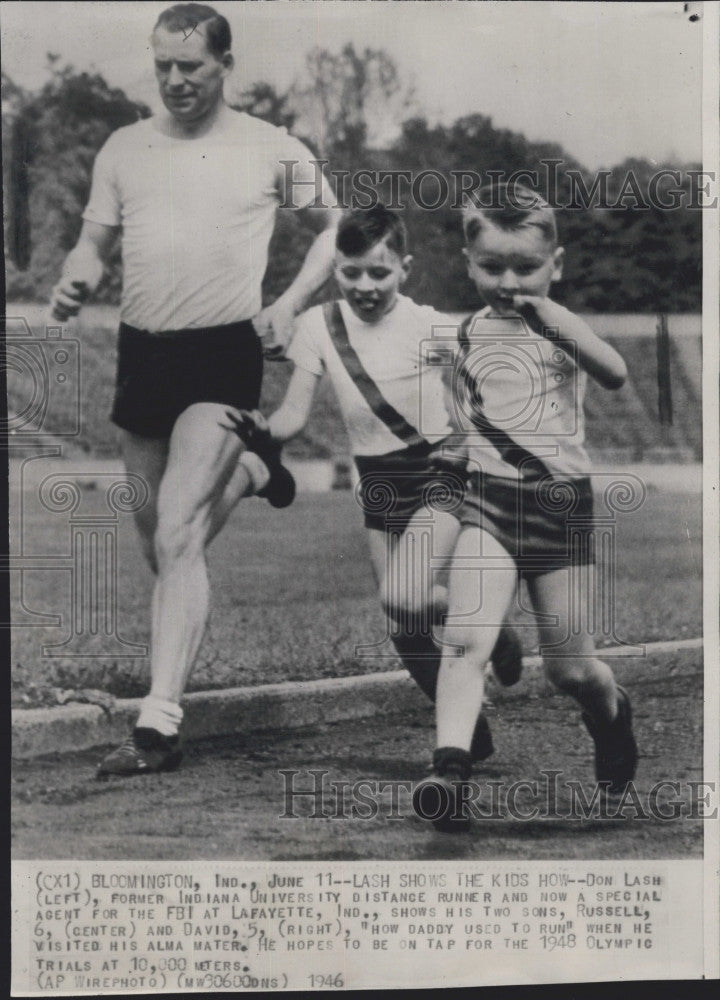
(532, 390)
(197, 216)
(394, 353)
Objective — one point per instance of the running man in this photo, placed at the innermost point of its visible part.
(193, 191)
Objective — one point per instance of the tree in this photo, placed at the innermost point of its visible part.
(623, 259)
(263, 101)
(64, 126)
(350, 101)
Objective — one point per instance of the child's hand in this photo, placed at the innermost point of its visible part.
(259, 420)
(541, 313)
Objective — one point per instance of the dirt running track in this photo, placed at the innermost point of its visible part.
(226, 800)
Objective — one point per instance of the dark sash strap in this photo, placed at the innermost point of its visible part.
(510, 451)
(393, 420)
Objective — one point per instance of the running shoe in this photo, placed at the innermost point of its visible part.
(145, 751)
(280, 489)
(616, 752)
(441, 797)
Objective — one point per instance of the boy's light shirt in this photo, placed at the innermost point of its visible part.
(532, 390)
(196, 215)
(392, 355)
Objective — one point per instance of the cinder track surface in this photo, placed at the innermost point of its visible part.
(227, 799)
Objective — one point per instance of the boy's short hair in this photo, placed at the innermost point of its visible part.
(187, 16)
(510, 207)
(362, 228)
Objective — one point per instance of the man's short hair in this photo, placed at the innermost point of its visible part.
(510, 207)
(362, 228)
(186, 17)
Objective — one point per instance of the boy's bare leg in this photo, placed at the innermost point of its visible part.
(482, 583)
(410, 580)
(571, 595)
(406, 569)
(568, 594)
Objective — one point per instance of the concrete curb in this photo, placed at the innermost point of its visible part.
(291, 705)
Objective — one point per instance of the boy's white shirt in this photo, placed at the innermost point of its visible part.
(534, 391)
(394, 355)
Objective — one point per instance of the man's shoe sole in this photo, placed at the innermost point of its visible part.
(170, 764)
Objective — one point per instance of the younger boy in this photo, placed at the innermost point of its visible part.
(522, 396)
(369, 343)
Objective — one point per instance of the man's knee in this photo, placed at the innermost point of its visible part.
(177, 540)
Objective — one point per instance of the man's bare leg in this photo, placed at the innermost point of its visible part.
(202, 460)
(201, 482)
(146, 458)
(235, 489)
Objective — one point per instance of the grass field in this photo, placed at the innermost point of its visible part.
(293, 595)
(624, 423)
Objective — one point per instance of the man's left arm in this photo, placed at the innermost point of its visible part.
(277, 321)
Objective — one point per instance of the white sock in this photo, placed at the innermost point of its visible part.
(157, 713)
(257, 470)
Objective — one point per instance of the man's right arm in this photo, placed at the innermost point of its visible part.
(82, 270)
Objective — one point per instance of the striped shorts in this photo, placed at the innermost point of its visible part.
(392, 488)
(545, 524)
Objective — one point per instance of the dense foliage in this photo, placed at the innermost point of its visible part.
(626, 259)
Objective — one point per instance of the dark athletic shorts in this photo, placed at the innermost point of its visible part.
(394, 487)
(544, 524)
(159, 375)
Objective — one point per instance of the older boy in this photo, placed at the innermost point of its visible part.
(369, 343)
